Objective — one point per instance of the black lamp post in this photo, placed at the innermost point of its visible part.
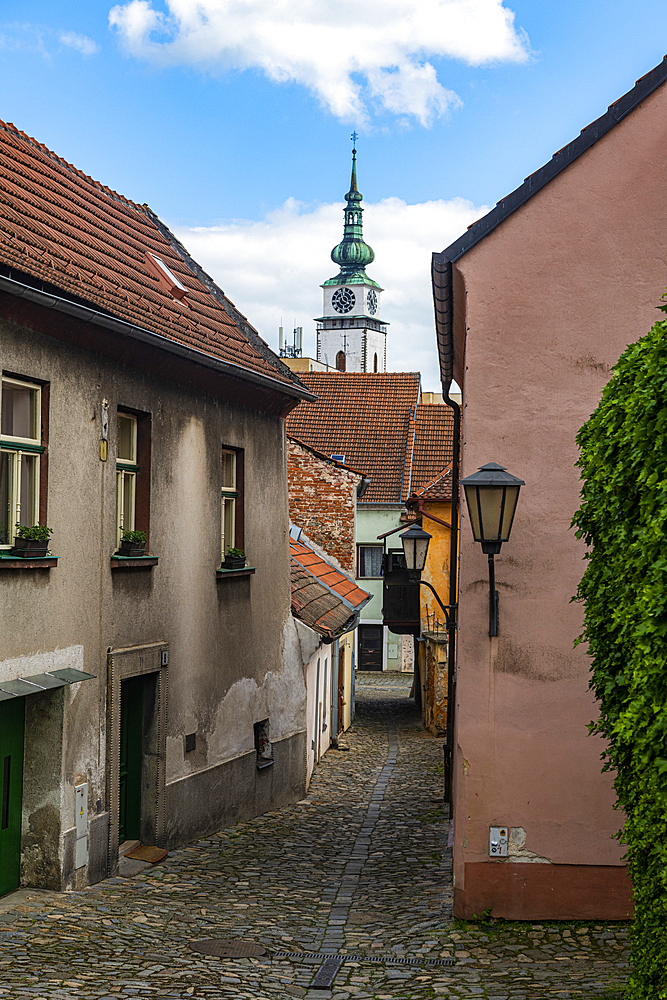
(491, 496)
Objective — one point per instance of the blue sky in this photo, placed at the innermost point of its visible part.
(236, 132)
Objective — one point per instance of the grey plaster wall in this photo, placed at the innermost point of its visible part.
(228, 666)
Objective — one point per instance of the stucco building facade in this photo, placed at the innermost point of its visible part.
(533, 307)
(142, 689)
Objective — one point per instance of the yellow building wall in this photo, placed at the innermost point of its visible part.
(433, 659)
(436, 571)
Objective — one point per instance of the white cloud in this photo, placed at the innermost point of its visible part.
(81, 43)
(328, 47)
(272, 269)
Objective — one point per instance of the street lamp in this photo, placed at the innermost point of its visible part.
(491, 496)
(415, 546)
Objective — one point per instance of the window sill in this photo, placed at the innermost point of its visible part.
(8, 561)
(225, 574)
(133, 562)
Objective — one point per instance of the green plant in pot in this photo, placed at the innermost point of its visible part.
(132, 543)
(234, 558)
(31, 542)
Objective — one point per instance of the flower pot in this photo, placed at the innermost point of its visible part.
(132, 548)
(234, 562)
(30, 548)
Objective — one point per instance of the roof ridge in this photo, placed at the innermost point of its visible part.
(561, 159)
(438, 478)
(41, 148)
(441, 262)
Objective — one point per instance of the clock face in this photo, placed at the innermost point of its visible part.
(343, 300)
(372, 301)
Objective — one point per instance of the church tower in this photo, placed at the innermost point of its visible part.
(350, 334)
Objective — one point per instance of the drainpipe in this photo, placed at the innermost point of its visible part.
(453, 594)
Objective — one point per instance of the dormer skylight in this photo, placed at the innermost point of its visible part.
(167, 279)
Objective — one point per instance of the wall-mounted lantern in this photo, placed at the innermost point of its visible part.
(415, 547)
(492, 495)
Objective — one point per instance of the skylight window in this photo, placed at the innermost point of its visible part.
(167, 279)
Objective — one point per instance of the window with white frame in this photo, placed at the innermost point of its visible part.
(126, 474)
(229, 499)
(20, 451)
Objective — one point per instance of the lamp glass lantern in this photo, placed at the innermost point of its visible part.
(491, 495)
(415, 548)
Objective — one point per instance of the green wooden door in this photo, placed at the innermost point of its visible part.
(12, 728)
(131, 750)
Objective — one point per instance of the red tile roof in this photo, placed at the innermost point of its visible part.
(322, 597)
(367, 418)
(432, 453)
(60, 227)
(376, 421)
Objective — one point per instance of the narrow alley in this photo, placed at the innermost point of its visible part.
(359, 869)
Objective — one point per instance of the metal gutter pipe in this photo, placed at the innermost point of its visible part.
(452, 622)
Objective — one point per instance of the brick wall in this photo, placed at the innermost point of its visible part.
(323, 501)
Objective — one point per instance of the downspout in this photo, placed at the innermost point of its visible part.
(453, 595)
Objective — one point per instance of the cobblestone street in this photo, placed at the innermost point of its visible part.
(359, 868)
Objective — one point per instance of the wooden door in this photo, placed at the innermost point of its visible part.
(370, 647)
(12, 730)
(131, 752)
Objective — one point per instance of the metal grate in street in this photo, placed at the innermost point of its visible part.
(378, 959)
(327, 972)
(227, 948)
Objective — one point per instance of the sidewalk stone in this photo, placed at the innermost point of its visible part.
(358, 868)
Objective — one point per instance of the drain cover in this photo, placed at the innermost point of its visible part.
(327, 972)
(224, 948)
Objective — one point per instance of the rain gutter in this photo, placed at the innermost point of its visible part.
(90, 315)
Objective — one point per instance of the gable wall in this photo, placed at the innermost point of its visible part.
(553, 296)
(323, 501)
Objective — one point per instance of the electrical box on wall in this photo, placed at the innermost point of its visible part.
(81, 824)
(498, 836)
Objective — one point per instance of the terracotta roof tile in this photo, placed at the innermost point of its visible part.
(322, 597)
(366, 417)
(433, 441)
(333, 579)
(61, 227)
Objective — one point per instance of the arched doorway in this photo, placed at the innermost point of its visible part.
(375, 362)
(340, 361)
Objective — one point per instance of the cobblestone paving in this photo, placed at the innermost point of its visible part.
(359, 868)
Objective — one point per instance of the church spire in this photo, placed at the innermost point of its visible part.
(352, 255)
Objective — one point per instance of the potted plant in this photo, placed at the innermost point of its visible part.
(234, 558)
(132, 543)
(31, 542)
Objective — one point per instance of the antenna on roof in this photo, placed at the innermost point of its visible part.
(354, 138)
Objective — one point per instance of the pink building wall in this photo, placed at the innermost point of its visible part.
(552, 298)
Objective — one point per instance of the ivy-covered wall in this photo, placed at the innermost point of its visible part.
(623, 518)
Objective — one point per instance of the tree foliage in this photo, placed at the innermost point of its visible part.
(623, 518)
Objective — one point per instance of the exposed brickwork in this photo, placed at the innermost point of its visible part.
(323, 501)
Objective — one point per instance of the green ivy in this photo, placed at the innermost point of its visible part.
(623, 519)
